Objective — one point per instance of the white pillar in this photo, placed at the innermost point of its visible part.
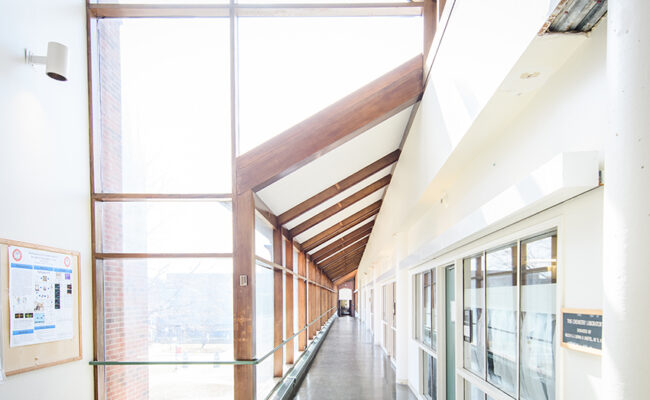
(626, 284)
(403, 313)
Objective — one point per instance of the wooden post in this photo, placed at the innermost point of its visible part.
(311, 295)
(430, 21)
(288, 283)
(277, 303)
(244, 294)
(302, 300)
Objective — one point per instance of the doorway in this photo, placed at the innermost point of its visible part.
(344, 307)
(450, 329)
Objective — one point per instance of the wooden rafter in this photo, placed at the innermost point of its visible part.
(342, 226)
(339, 187)
(341, 255)
(330, 128)
(341, 276)
(343, 242)
(344, 268)
(351, 256)
(345, 278)
(341, 205)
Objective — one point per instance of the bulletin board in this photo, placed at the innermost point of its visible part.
(40, 304)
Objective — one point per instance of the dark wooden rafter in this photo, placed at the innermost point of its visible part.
(342, 226)
(341, 205)
(344, 253)
(344, 268)
(339, 187)
(344, 278)
(341, 276)
(343, 242)
(351, 258)
(331, 127)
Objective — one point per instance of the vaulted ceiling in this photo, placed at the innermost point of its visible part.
(322, 181)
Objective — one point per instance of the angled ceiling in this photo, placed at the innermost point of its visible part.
(327, 189)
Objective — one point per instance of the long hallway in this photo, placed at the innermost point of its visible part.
(349, 366)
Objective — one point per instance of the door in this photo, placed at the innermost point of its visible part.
(450, 329)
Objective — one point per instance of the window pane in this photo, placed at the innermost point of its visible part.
(161, 1)
(166, 382)
(292, 67)
(394, 305)
(264, 328)
(263, 238)
(473, 393)
(426, 305)
(501, 272)
(473, 315)
(417, 281)
(538, 286)
(168, 309)
(429, 376)
(164, 227)
(434, 312)
(164, 95)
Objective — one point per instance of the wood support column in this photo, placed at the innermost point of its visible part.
(277, 303)
(244, 294)
(311, 295)
(288, 283)
(302, 300)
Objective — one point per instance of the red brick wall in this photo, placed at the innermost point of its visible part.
(125, 282)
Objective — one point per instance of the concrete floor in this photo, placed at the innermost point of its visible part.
(349, 366)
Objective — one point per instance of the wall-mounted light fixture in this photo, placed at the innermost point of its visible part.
(56, 61)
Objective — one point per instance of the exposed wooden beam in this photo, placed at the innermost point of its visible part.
(255, 10)
(354, 256)
(430, 22)
(288, 283)
(342, 226)
(345, 278)
(343, 253)
(352, 261)
(302, 301)
(343, 242)
(339, 187)
(345, 267)
(244, 295)
(265, 211)
(277, 304)
(346, 272)
(330, 128)
(341, 205)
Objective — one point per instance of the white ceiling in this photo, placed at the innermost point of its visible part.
(335, 165)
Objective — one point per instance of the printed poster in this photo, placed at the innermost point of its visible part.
(41, 306)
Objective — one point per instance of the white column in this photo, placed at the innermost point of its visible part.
(626, 284)
(403, 322)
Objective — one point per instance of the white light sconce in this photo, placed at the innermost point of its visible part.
(56, 61)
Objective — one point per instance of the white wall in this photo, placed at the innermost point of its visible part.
(44, 173)
(567, 113)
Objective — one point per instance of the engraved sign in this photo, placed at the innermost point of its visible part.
(582, 330)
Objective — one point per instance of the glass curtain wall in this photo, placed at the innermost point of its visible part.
(166, 265)
(509, 318)
(163, 141)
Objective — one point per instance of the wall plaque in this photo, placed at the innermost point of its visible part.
(582, 330)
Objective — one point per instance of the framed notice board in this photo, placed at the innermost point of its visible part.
(582, 330)
(40, 304)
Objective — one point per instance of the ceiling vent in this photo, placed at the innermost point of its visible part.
(571, 16)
